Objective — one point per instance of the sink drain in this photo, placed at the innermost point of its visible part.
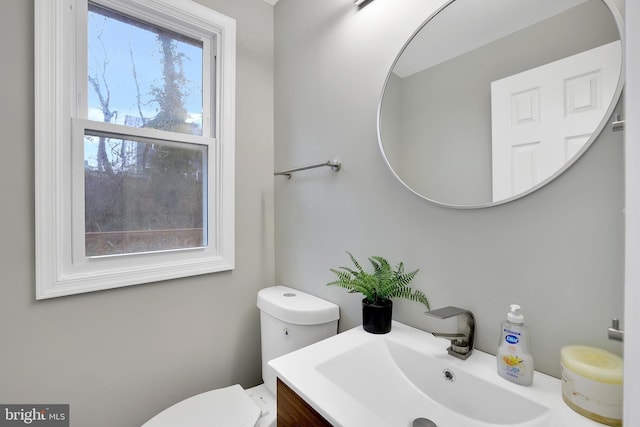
(449, 375)
(423, 422)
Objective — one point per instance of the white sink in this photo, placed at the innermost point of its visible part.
(357, 378)
(413, 384)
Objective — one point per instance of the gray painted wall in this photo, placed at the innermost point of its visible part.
(118, 357)
(557, 252)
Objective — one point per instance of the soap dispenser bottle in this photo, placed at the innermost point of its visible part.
(515, 362)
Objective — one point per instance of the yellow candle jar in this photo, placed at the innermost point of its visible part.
(592, 383)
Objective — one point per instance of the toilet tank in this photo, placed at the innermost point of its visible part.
(289, 320)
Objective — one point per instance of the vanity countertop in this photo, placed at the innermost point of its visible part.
(324, 375)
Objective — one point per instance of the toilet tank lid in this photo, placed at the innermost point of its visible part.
(296, 307)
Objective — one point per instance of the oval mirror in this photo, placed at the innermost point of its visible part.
(490, 100)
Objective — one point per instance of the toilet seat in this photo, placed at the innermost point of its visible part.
(229, 406)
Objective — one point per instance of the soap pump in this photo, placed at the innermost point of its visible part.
(515, 362)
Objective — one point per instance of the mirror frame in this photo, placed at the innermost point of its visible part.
(603, 123)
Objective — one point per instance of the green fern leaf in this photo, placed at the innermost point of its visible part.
(383, 283)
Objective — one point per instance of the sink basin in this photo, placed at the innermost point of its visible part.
(402, 384)
(406, 378)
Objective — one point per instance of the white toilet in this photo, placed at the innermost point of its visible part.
(289, 320)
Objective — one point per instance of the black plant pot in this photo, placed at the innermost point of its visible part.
(376, 318)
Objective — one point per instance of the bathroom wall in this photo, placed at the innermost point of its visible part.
(118, 357)
(557, 252)
(632, 215)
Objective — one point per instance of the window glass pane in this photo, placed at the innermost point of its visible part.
(143, 195)
(141, 75)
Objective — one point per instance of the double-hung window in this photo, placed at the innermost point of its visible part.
(134, 143)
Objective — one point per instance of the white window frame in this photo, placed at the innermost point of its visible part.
(60, 121)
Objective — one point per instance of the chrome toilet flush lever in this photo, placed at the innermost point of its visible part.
(462, 340)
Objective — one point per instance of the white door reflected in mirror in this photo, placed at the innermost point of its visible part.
(542, 118)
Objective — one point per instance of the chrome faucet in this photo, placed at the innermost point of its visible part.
(462, 340)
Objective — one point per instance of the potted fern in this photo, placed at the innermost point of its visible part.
(378, 288)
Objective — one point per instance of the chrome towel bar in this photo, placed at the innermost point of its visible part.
(334, 164)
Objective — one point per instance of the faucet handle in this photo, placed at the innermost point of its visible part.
(447, 312)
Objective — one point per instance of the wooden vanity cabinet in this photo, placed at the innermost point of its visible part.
(293, 411)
